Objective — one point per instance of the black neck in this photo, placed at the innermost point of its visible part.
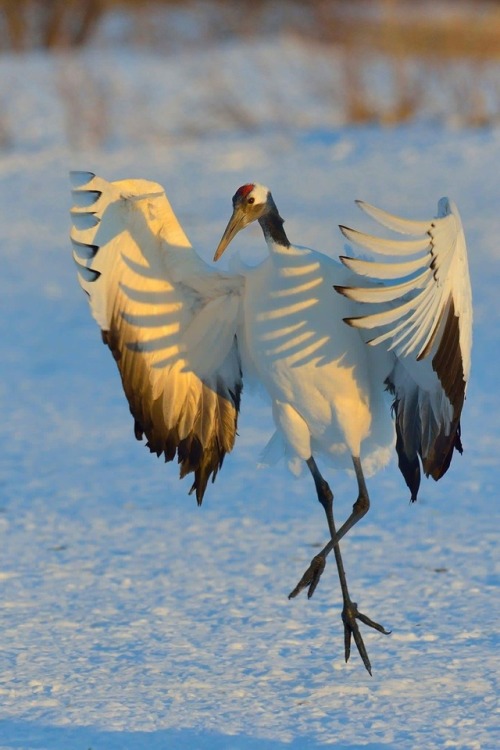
(272, 226)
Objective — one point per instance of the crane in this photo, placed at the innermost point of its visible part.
(327, 339)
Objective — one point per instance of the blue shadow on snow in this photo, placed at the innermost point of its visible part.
(19, 735)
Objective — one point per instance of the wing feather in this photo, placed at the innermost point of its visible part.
(422, 311)
(383, 246)
(388, 293)
(384, 270)
(168, 318)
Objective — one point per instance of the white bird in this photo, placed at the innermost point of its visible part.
(326, 339)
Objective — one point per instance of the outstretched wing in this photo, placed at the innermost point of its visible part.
(421, 309)
(168, 318)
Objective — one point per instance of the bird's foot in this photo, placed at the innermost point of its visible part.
(311, 577)
(350, 614)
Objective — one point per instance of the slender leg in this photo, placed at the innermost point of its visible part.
(311, 578)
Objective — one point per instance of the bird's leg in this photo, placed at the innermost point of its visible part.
(311, 577)
(325, 496)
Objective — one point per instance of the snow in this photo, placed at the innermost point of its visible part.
(130, 618)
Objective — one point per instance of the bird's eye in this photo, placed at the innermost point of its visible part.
(251, 200)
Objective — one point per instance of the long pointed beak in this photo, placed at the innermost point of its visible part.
(235, 224)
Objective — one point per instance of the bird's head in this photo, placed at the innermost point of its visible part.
(250, 203)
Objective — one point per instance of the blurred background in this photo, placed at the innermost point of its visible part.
(104, 73)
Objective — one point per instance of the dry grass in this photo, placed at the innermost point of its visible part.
(419, 47)
(396, 28)
(455, 48)
(26, 24)
(464, 32)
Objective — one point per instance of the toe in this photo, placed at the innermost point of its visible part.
(347, 642)
(372, 624)
(311, 577)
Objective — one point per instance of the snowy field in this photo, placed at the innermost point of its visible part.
(133, 620)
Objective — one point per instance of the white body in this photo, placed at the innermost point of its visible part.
(319, 376)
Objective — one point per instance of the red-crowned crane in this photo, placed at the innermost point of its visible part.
(326, 339)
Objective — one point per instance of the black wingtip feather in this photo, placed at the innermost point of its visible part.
(343, 290)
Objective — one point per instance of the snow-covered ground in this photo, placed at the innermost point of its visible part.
(133, 620)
